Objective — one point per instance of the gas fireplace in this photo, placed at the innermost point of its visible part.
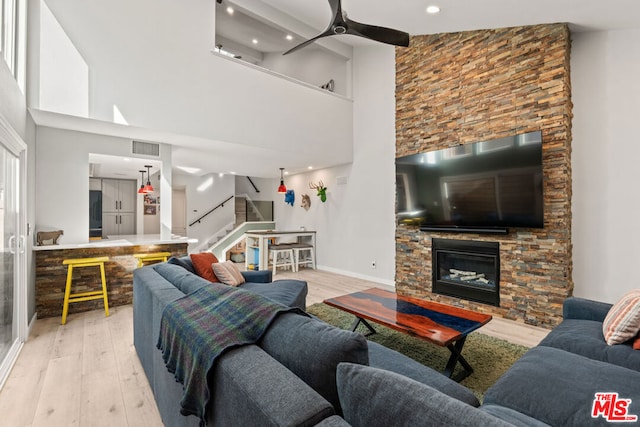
(467, 269)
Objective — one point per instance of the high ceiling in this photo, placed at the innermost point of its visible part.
(462, 15)
(309, 17)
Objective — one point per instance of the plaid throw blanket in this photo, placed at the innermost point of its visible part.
(196, 329)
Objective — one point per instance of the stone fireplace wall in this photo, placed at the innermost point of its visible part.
(460, 88)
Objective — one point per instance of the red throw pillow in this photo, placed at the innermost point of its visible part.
(636, 343)
(202, 265)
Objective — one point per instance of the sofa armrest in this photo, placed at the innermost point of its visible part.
(260, 276)
(585, 309)
(252, 388)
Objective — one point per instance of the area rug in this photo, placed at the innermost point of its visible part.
(490, 357)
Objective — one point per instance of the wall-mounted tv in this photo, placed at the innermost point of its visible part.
(487, 186)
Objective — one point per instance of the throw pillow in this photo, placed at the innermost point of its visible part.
(228, 273)
(636, 343)
(622, 323)
(202, 265)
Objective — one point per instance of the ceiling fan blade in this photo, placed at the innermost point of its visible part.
(380, 34)
(336, 9)
(308, 42)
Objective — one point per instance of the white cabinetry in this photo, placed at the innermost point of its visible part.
(118, 207)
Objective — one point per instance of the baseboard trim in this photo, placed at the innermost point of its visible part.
(390, 283)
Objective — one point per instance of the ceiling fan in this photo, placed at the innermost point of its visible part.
(341, 24)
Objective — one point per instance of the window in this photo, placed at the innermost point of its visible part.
(12, 37)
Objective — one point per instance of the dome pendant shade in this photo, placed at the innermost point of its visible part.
(282, 188)
(142, 190)
(148, 188)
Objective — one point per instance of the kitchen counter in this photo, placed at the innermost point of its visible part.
(124, 240)
(51, 274)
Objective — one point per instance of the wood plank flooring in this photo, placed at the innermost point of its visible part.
(86, 373)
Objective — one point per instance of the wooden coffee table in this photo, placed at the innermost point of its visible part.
(441, 324)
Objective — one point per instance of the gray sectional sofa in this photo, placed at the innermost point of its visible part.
(286, 379)
(306, 372)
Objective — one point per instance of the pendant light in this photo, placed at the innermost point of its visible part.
(282, 188)
(148, 188)
(142, 190)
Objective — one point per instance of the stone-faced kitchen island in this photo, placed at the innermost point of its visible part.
(51, 274)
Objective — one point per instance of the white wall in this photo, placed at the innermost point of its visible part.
(62, 178)
(264, 185)
(202, 194)
(606, 94)
(312, 65)
(356, 224)
(156, 68)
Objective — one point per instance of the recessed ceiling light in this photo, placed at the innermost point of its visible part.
(309, 167)
(254, 41)
(289, 37)
(433, 9)
(230, 10)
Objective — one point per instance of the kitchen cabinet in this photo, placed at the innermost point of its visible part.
(118, 207)
(118, 195)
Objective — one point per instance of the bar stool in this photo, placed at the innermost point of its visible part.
(156, 256)
(84, 296)
(310, 258)
(284, 253)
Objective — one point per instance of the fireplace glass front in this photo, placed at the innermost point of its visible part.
(467, 269)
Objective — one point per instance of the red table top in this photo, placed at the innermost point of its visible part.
(439, 323)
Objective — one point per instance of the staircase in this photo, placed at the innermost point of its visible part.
(250, 216)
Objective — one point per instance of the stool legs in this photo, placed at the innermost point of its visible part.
(67, 292)
(84, 296)
(104, 290)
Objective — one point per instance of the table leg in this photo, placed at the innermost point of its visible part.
(359, 320)
(456, 356)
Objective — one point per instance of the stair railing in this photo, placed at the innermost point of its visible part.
(219, 205)
(253, 185)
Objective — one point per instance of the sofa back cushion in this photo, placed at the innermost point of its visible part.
(559, 388)
(312, 349)
(372, 397)
(179, 277)
(184, 262)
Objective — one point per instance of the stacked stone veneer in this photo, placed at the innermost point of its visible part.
(474, 86)
(51, 275)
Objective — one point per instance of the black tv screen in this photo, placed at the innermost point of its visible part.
(485, 185)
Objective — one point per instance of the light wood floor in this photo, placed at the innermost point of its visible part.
(86, 373)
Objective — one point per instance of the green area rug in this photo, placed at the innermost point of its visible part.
(490, 357)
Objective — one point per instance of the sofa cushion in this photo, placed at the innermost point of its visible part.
(372, 397)
(512, 417)
(384, 358)
(227, 273)
(312, 349)
(292, 293)
(202, 265)
(180, 278)
(182, 263)
(584, 337)
(559, 388)
(623, 320)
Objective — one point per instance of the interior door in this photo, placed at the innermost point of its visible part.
(179, 212)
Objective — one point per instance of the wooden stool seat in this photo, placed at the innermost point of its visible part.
(84, 296)
(155, 256)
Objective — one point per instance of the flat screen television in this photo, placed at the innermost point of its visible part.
(486, 186)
